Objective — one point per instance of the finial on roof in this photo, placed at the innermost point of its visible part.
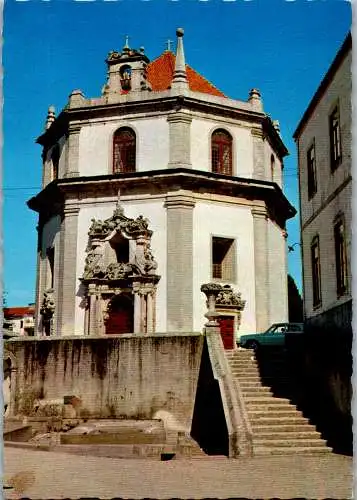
(276, 125)
(168, 43)
(142, 49)
(180, 78)
(255, 99)
(51, 116)
(126, 47)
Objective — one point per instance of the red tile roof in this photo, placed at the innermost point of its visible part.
(161, 70)
(18, 312)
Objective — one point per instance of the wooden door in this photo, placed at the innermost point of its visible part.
(226, 324)
(121, 317)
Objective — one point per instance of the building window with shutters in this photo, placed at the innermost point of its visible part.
(316, 274)
(221, 145)
(335, 139)
(124, 151)
(340, 257)
(311, 172)
(223, 259)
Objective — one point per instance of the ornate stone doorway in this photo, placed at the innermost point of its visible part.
(120, 315)
(119, 276)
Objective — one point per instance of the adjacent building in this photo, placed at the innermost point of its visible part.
(323, 139)
(19, 320)
(157, 186)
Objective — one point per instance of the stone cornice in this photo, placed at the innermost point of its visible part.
(168, 180)
(217, 107)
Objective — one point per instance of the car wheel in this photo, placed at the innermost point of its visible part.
(253, 344)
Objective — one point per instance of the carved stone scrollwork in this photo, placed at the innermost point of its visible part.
(227, 297)
(116, 271)
(119, 222)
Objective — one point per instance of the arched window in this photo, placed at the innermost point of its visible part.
(222, 152)
(124, 150)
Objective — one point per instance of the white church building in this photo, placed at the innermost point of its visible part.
(154, 188)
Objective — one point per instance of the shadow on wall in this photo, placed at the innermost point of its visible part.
(314, 372)
(209, 428)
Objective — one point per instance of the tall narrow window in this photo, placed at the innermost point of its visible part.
(51, 261)
(335, 139)
(311, 172)
(315, 267)
(223, 259)
(340, 257)
(272, 167)
(124, 150)
(222, 152)
(55, 156)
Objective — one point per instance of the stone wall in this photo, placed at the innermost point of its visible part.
(128, 376)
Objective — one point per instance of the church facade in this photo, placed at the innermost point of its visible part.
(154, 188)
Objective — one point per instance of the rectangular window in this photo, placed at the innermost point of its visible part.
(223, 259)
(340, 258)
(316, 278)
(311, 172)
(335, 139)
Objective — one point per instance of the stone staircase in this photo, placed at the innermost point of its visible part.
(278, 427)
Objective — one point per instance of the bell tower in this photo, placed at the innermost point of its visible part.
(126, 71)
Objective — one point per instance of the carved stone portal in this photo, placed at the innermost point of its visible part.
(120, 276)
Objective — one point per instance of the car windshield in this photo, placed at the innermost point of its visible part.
(271, 329)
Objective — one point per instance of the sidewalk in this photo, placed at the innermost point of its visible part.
(41, 474)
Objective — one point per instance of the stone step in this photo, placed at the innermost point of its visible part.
(294, 450)
(250, 378)
(279, 412)
(284, 443)
(269, 399)
(255, 390)
(271, 407)
(241, 373)
(301, 427)
(276, 420)
(284, 434)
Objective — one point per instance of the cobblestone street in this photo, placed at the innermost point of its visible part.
(40, 474)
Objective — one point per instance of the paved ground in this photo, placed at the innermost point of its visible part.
(44, 475)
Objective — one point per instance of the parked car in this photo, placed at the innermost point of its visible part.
(274, 336)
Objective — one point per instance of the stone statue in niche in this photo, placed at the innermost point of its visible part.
(92, 267)
(145, 264)
(150, 265)
(47, 311)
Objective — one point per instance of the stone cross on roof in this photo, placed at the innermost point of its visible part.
(168, 43)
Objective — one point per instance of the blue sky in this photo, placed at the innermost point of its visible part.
(52, 47)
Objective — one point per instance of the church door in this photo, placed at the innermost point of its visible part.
(226, 324)
(121, 316)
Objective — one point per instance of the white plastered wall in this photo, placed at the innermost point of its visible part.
(201, 132)
(230, 221)
(156, 214)
(152, 145)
